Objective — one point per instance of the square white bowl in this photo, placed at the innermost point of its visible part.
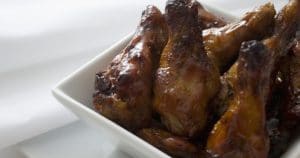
(76, 91)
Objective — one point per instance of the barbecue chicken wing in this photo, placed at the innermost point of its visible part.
(236, 133)
(223, 44)
(292, 110)
(286, 22)
(285, 28)
(169, 143)
(124, 90)
(186, 79)
(208, 19)
(241, 130)
(283, 107)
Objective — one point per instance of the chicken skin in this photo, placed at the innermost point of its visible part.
(286, 22)
(208, 19)
(284, 108)
(241, 130)
(124, 90)
(286, 26)
(292, 110)
(246, 112)
(223, 44)
(186, 79)
(173, 145)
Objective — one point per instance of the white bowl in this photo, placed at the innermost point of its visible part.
(76, 91)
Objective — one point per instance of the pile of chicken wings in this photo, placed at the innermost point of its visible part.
(195, 86)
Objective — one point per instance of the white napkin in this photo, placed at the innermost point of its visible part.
(41, 41)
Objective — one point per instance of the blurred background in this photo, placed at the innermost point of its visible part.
(42, 41)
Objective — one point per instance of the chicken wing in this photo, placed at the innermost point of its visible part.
(283, 100)
(284, 108)
(173, 145)
(292, 110)
(236, 133)
(241, 130)
(286, 23)
(285, 28)
(220, 103)
(223, 44)
(124, 90)
(186, 79)
(208, 19)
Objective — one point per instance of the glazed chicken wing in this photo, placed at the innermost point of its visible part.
(186, 79)
(241, 130)
(292, 110)
(285, 27)
(169, 143)
(286, 22)
(124, 90)
(230, 137)
(223, 44)
(208, 19)
(284, 108)
(220, 103)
